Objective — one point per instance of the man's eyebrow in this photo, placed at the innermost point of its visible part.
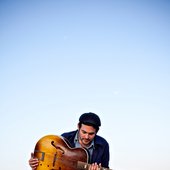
(92, 133)
(89, 132)
(84, 131)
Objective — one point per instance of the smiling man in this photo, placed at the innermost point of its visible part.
(86, 137)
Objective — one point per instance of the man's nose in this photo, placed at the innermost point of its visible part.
(87, 136)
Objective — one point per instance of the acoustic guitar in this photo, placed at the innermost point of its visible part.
(55, 153)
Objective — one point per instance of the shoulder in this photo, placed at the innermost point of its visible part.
(100, 141)
(69, 134)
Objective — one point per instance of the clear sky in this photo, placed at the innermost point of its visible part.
(61, 58)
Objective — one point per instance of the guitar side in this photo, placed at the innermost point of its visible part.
(54, 153)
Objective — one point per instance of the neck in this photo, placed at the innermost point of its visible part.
(85, 166)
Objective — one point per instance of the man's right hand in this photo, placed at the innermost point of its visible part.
(33, 162)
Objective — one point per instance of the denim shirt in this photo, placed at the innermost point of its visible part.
(100, 152)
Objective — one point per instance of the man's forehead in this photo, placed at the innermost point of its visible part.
(88, 129)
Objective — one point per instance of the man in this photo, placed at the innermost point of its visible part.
(86, 137)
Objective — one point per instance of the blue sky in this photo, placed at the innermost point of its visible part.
(59, 59)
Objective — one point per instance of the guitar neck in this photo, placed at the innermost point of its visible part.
(85, 166)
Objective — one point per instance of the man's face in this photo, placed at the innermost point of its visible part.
(86, 135)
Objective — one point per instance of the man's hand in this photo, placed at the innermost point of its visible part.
(94, 166)
(33, 162)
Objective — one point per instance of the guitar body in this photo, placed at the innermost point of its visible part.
(54, 153)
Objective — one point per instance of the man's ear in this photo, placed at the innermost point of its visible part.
(79, 126)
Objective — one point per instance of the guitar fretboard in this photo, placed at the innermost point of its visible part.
(85, 166)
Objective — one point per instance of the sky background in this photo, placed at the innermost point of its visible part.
(61, 58)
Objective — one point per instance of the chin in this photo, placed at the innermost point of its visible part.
(86, 143)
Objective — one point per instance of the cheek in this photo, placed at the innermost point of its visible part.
(91, 137)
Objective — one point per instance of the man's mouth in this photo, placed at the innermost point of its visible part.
(86, 140)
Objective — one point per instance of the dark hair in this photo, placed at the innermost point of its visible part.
(90, 119)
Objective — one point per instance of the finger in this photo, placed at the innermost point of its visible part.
(34, 165)
(91, 167)
(95, 166)
(99, 166)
